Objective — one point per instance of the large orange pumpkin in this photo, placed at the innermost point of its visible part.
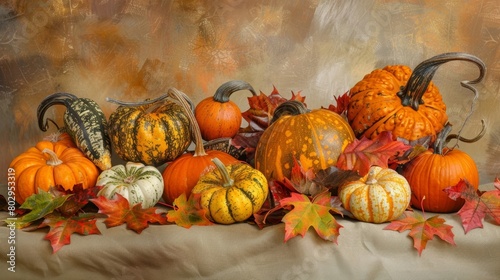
(436, 169)
(182, 174)
(396, 99)
(219, 117)
(48, 164)
(315, 138)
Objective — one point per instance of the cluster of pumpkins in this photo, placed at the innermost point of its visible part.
(154, 132)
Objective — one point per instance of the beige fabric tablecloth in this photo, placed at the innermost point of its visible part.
(242, 251)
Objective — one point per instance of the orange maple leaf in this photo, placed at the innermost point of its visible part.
(422, 229)
(307, 213)
(61, 228)
(188, 212)
(119, 212)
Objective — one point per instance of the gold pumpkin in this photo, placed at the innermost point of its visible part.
(380, 196)
(231, 193)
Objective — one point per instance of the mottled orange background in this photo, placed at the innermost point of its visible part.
(136, 49)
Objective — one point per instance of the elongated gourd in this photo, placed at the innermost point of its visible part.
(86, 124)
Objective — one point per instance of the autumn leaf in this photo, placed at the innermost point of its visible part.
(61, 228)
(259, 116)
(360, 155)
(307, 213)
(40, 204)
(332, 178)
(422, 230)
(188, 212)
(78, 198)
(119, 212)
(342, 103)
(302, 181)
(477, 205)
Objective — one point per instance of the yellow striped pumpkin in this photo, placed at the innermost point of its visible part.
(381, 195)
(232, 193)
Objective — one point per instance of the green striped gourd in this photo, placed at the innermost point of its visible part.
(86, 124)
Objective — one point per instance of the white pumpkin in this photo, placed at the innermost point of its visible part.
(134, 181)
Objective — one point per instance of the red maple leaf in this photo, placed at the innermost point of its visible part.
(477, 206)
(119, 212)
(307, 213)
(422, 230)
(342, 103)
(188, 212)
(61, 228)
(360, 155)
(78, 197)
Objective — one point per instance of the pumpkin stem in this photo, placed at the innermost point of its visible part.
(228, 181)
(53, 159)
(223, 93)
(147, 101)
(370, 179)
(411, 94)
(290, 107)
(61, 98)
(199, 149)
(444, 137)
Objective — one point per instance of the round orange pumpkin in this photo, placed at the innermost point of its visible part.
(436, 169)
(396, 99)
(315, 138)
(182, 174)
(219, 117)
(49, 164)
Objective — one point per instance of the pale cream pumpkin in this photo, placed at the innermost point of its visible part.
(380, 196)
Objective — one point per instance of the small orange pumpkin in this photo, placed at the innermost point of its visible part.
(48, 164)
(182, 174)
(436, 169)
(219, 117)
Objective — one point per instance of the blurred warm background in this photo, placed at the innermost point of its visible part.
(136, 49)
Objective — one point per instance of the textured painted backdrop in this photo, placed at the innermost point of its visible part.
(135, 49)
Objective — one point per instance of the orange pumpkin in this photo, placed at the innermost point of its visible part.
(182, 174)
(49, 164)
(396, 99)
(219, 117)
(436, 169)
(315, 138)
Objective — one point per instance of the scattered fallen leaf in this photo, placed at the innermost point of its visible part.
(422, 230)
(119, 212)
(40, 204)
(61, 228)
(188, 212)
(307, 213)
(477, 206)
